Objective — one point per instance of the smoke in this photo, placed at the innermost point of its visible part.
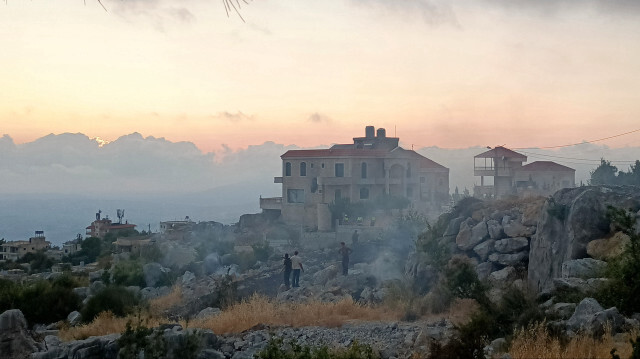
(317, 117)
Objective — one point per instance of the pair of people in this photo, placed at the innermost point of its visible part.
(292, 265)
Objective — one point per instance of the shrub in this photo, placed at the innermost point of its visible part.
(277, 348)
(262, 251)
(115, 299)
(623, 287)
(45, 301)
(128, 273)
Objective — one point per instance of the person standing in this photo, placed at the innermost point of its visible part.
(354, 237)
(287, 270)
(345, 252)
(296, 264)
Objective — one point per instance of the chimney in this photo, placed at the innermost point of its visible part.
(369, 131)
(382, 133)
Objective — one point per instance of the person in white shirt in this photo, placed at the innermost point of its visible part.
(296, 265)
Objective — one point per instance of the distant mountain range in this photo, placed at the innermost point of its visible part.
(57, 183)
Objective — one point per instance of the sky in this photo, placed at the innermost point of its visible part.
(452, 74)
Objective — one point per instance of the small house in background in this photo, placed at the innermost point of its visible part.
(73, 246)
(15, 250)
(511, 177)
(544, 178)
(101, 226)
(132, 245)
(176, 230)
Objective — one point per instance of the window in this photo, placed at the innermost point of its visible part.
(364, 193)
(337, 195)
(322, 165)
(409, 171)
(295, 196)
(339, 169)
(303, 169)
(363, 170)
(314, 184)
(287, 169)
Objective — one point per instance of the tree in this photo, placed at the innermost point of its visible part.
(604, 174)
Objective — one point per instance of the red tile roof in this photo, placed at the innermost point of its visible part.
(545, 166)
(501, 152)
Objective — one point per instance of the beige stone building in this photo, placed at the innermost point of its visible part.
(510, 176)
(372, 166)
(15, 250)
(101, 226)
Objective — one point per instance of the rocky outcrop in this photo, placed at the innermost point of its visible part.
(608, 248)
(15, 341)
(569, 220)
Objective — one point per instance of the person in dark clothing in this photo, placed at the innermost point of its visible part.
(345, 252)
(287, 270)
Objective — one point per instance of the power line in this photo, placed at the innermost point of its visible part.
(533, 154)
(575, 144)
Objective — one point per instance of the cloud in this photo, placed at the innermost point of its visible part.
(318, 117)
(159, 13)
(432, 12)
(559, 6)
(233, 117)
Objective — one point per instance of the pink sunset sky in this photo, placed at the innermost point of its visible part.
(441, 73)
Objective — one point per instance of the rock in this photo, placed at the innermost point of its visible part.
(511, 245)
(96, 287)
(562, 310)
(96, 275)
(583, 268)
(498, 345)
(453, 227)
(515, 229)
(590, 318)
(176, 255)
(74, 318)
(570, 219)
(580, 285)
(608, 248)
(495, 229)
(208, 312)
(82, 292)
(15, 341)
(483, 249)
(469, 237)
(212, 263)
(484, 269)
(503, 277)
(321, 277)
(508, 259)
(188, 277)
(154, 273)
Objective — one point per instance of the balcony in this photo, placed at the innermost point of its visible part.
(271, 203)
(277, 179)
(492, 172)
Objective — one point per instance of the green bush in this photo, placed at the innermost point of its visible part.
(116, 299)
(42, 301)
(38, 261)
(262, 251)
(128, 273)
(623, 288)
(277, 348)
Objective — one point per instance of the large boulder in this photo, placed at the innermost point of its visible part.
(570, 219)
(511, 259)
(511, 245)
(453, 227)
(583, 268)
(212, 263)
(15, 341)
(503, 277)
(321, 277)
(608, 248)
(590, 318)
(495, 229)
(483, 249)
(469, 237)
(154, 273)
(517, 229)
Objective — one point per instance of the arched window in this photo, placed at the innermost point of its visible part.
(364, 193)
(409, 171)
(303, 169)
(363, 170)
(287, 169)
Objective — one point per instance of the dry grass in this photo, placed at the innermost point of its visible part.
(159, 306)
(536, 342)
(262, 310)
(103, 324)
